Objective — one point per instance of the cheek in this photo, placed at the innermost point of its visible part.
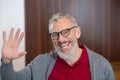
(54, 42)
(72, 37)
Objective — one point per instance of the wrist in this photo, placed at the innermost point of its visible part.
(6, 61)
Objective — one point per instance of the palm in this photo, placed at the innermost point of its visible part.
(10, 46)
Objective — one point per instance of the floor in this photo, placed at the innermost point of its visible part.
(116, 69)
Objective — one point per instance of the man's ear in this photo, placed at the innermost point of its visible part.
(78, 32)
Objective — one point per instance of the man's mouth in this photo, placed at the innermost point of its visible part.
(64, 45)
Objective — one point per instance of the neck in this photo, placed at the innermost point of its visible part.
(75, 57)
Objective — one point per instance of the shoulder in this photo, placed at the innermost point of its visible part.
(97, 60)
(100, 65)
(46, 57)
(93, 56)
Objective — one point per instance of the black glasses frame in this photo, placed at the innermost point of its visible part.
(61, 32)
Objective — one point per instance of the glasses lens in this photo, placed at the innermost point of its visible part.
(65, 33)
(54, 35)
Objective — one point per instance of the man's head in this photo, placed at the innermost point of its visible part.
(64, 33)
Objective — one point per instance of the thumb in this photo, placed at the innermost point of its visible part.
(22, 53)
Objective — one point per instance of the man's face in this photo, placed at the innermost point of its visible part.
(65, 45)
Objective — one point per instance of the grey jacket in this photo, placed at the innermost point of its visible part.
(41, 67)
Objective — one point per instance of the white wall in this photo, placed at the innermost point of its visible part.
(12, 15)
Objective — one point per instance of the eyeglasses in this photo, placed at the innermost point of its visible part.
(64, 33)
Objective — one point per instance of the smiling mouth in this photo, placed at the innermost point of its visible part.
(64, 45)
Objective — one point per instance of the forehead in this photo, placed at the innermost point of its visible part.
(61, 24)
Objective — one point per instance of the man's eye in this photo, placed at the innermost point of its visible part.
(65, 32)
(54, 34)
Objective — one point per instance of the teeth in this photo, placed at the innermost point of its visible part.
(63, 45)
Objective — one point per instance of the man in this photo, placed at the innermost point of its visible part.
(69, 61)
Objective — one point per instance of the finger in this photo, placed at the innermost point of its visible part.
(11, 33)
(17, 34)
(4, 36)
(20, 38)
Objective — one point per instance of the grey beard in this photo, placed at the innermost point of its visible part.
(66, 56)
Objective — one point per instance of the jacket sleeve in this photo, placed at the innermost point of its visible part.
(109, 72)
(8, 73)
(38, 69)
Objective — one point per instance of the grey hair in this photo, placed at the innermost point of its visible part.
(58, 16)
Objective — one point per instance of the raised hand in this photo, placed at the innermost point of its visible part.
(10, 46)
